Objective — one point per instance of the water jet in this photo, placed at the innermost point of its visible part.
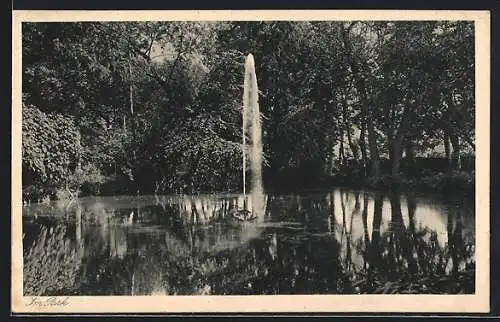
(252, 137)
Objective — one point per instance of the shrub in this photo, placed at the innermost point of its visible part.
(88, 180)
(388, 182)
(449, 182)
(51, 148)
(50, 265)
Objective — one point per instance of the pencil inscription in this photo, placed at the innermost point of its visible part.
(50, 301)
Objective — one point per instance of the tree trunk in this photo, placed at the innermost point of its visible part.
(352, 146)
(410, 152)
(374, 153)
(410, 157)
(396, 155)
(447, 147)
(452, 124)
(362, 145)
(329, 156)
(341, 149)
(131, 98)
(455, 156)
(347, 124)
(397, 144)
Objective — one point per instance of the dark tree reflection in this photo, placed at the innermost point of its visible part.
(412, 259)
(338, 242)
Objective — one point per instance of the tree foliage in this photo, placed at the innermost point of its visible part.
(157, 105)
(51, 146)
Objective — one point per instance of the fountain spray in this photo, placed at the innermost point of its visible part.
(252, 132)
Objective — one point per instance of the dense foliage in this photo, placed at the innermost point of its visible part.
(156, 106)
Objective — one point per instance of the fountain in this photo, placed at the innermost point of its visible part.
(252, 133)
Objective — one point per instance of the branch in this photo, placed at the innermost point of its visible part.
(148, 51)
(136, 50)
(163, 83)
(181, 51)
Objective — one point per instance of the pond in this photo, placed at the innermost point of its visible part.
(336, 242)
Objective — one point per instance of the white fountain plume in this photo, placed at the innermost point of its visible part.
(252, 128)
(246, 103)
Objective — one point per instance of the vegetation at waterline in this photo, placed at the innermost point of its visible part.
(155, 107)
(50, 264)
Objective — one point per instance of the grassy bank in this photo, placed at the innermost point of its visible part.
(442, 183)
(453, 182)
(456, 182)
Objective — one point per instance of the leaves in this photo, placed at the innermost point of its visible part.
(152, 97)
(51, 145)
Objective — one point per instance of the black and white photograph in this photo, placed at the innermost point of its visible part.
(248, 157)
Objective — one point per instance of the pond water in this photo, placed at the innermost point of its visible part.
(340, 241)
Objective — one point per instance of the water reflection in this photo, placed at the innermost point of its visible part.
(336, 242)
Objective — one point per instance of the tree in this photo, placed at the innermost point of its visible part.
(367, 108)
(51, 148)
(157, 105)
